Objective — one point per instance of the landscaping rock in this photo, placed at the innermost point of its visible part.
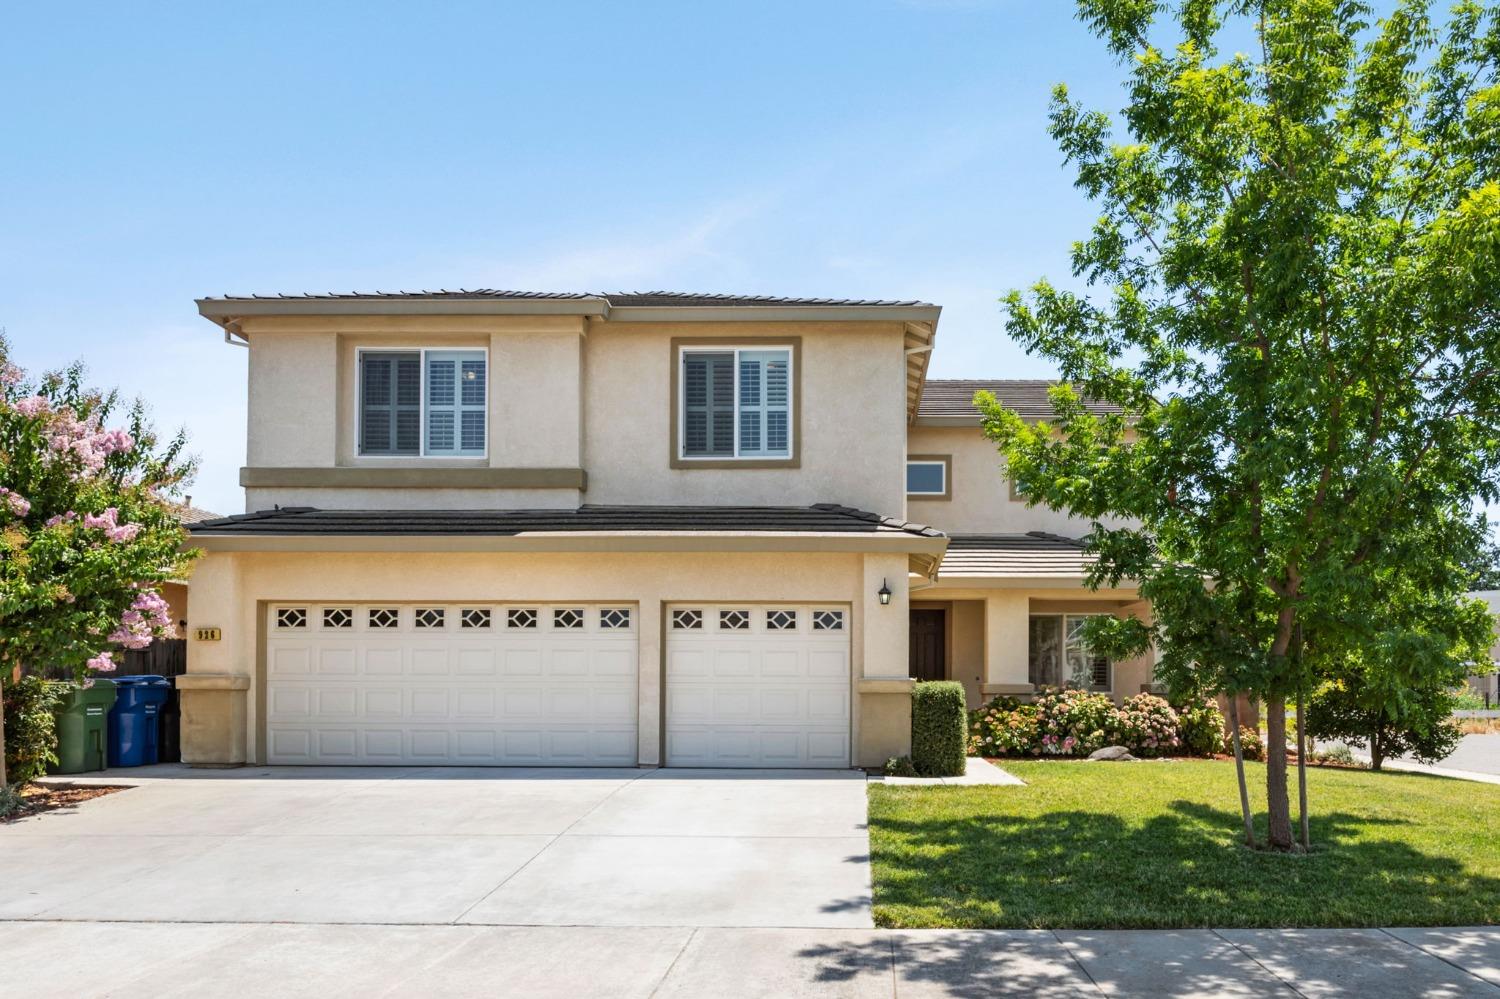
(1111, 753)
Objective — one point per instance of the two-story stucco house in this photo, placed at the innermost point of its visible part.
(641, 529)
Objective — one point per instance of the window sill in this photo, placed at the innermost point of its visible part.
(935, 497)
(414, 476)
(721, 464)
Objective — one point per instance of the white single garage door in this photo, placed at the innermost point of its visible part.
(466, 684)
(757, 685)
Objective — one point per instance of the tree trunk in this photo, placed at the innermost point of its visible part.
(1278, 806)
(1302, 774)
(1239, 768)
(1302, 820)
(1377, 751)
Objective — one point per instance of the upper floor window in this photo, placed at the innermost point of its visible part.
(736, 403)
(927, 476)
(422, 402)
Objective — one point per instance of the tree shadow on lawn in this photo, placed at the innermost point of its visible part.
(1183, 867)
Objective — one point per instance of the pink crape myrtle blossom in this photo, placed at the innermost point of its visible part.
(108, 522)
(31, 406)
(104, 662)
(9, 374)
(149, 616)
(15, 502)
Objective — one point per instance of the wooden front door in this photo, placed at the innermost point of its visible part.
(929, 654)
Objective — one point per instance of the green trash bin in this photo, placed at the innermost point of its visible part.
(81, 727)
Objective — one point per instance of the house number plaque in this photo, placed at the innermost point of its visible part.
(207, 634)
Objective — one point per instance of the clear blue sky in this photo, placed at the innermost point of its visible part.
(156, 152)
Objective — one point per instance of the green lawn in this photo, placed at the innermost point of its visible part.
(1092, 845)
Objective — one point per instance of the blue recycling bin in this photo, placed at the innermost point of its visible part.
(132, 721)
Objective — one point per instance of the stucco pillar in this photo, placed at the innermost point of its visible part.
(883, 684)
(649, 752)
(1006, 643)
(215, 690)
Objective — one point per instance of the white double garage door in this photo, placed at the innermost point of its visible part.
(511, 684)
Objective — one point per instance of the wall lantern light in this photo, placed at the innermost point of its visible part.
(884, 593)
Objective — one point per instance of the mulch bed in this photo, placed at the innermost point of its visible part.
(42, 798)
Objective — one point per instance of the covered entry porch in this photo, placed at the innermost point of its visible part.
(1005, 616)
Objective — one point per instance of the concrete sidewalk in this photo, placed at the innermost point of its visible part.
(76, 959)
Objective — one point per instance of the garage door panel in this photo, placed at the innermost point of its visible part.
(478, 686)
(384, 661)
(757, 686)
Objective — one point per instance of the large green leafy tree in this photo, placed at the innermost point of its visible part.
(1292, 297)
(88, 529)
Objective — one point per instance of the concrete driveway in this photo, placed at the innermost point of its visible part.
(543, 847)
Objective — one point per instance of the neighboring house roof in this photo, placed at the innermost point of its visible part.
(950, 401)
(1020, 556)
(189, 514)
(920, 318)
(822, 518)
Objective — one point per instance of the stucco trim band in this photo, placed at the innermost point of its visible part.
(413, 478)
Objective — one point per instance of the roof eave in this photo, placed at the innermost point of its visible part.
(578, 541)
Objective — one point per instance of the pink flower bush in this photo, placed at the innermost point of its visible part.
(104, 662)
(1072, 722)
(15, 502)
(32, 406)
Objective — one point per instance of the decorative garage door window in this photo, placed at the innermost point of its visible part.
(687, 619)
(291, 617)
(828, 620)
(614, 618)
(520, 617)
(734, 620)
(781, 620)
(430, 617)
(474, 617)
(338, 617)
(567, 617)
(384, 617)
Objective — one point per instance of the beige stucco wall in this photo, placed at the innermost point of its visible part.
(852, 389)
(981, 502)
(231, 590)
(568, 393)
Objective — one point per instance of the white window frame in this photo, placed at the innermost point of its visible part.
(422, 352)
(736, 350)
(924, 492)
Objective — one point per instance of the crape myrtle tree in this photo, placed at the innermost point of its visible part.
(1291, 293)
(88, 531)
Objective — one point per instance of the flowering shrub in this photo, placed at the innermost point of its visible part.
(1073, 722)
(1200, 725)
(1252, 746)
(1147, 725)
(1004, 727)
(88, 532)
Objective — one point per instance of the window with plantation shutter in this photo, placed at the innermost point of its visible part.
(455, 403)
(390, 397)
(708, 405)
(416, 402)
(736, 403)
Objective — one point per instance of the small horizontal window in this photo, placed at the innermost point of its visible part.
(927, 478)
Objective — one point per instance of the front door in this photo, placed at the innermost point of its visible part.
(928, 646)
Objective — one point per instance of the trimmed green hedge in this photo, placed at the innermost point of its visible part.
(939, 728)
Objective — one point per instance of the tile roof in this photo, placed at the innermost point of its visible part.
(821, 518)
(189, 514)
(623, 299)
(953, 398)
(1014, 555)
